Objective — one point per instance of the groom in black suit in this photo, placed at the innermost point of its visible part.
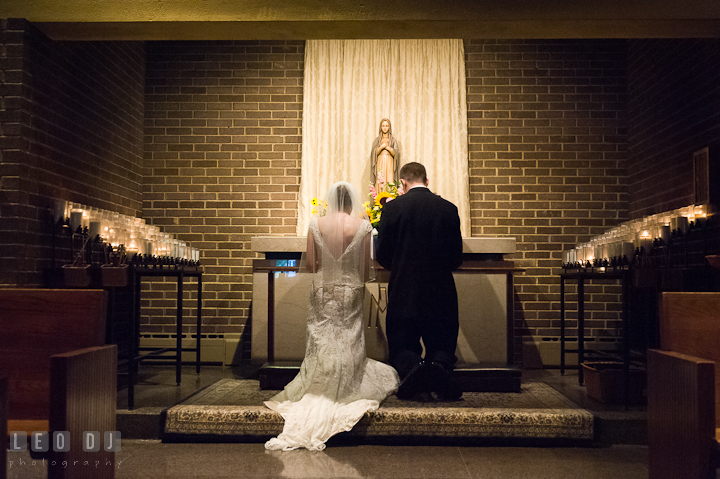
(419, 241)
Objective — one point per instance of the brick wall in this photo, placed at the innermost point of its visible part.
(547, 140)
(13, 222)
(673, 111)
(71, 122)
(222, 163)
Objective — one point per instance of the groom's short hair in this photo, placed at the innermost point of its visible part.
(413, 173)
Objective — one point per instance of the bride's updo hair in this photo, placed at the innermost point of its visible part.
(341, 197)
(344, 200)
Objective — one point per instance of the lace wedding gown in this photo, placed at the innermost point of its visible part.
(336, 384)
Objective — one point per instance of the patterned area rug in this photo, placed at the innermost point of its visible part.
(235, 407)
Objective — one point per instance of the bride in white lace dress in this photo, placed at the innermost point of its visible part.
(337, 383)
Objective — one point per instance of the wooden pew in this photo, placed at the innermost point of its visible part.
(683, 389)
(681, 416)
(83, 389)
(61, 376)
(3, 424)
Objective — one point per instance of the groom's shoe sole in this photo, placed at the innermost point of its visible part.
(417, 381)
(443, 384)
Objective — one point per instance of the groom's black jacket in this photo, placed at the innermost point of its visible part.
(419, 241)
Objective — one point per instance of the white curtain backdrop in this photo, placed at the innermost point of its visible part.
(350, 85)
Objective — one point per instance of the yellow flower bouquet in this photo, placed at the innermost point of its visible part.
(388, 191)
(319, 207)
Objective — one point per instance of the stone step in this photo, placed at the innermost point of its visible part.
(234, 410)
(485, 377)
(488, 377)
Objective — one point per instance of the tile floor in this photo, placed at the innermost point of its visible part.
(153, 459)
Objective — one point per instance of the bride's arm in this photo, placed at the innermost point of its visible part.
(366, 257)
(311, 259)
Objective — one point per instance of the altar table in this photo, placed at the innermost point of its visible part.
(485, 301)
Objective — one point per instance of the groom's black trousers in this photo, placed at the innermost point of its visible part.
(435, 322)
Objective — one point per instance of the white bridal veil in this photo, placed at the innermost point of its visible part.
(344, 224)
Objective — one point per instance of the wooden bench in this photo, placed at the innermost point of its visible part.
(683, 389)
(61, 375)
(3, 424)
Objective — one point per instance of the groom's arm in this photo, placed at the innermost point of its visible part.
(367, 241)
(456, 257)
(452, 247)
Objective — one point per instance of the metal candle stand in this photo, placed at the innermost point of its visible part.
(112, 267)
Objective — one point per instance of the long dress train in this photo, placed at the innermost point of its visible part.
(337, 383)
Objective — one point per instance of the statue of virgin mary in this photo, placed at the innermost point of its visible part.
(384, 155)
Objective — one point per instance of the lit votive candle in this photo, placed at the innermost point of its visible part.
(645, 239)
(682, 223)
(131, 251)
(59, 210)
(75, 220)
(665, 233)
(628, 249)
(94, 229)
